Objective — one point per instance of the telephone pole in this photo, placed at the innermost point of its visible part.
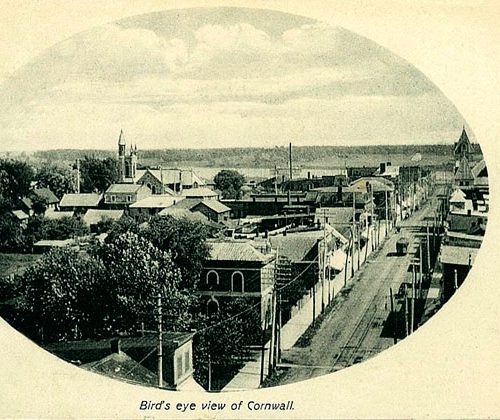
(160, 342)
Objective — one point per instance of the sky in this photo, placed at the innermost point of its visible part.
(220, 77)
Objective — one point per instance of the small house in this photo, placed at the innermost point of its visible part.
(123, 195)
(214, 210)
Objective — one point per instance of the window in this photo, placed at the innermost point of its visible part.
(187, 362)
(113, 198)
(212, 279)
(179, 366)
(237, 282)
(212, 306)
(129, 198)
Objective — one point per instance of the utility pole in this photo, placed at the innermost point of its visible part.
(323, 269)
(291, 174)
(160, 342)
(386, 213)
(406, 310)
(78, 176)
(209, 372)
(428, 252)
(413, 278)
(394, 315)
(421, 274)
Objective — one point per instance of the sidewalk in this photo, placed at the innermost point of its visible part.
(249, 376)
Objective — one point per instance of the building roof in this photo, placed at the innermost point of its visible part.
(46, 195)
(172, 176)
(94, 216)
(27, 202)
(56, 215)
(20, 215)
(480, 169)
(121, 139)
(80, 200)
(199, 192)
(87, 351)
(464, 171)
(236, 251)
(215, 205)
(121, 366)
(179, 212)
(377, 184)
(458, 196)
(56, 243)
(296, 246)
(464, 139)
(125, 188)
(157, 202)
(458, 255)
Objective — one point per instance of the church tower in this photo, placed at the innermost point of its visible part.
(121, 157)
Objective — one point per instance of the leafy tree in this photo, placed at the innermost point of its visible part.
(59, 297)
(136, 271)
(40, 204)
(12, 238)
(15, 179)
(185, 240)
(229, 182)
(98, 174)
(225, 343)
(123, 225)
(58, 178)
(64, 228)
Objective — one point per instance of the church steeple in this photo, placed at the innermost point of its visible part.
(121, 157)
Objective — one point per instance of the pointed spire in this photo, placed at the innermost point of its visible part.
(121, 139)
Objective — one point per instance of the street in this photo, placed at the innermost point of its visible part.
(356, 329)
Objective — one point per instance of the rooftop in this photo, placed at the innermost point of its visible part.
(236, 251)
(458, 255)
(124, 188)
(80, 200)
(46, 194)
(216, 206)
(157, 202)
(94, 216)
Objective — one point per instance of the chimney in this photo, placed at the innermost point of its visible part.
(115, 345)
(308, 174)
(382, 168)
(388, 164)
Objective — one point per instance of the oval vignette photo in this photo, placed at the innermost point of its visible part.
(226, 199)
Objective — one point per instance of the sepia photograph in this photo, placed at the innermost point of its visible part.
(227, 199)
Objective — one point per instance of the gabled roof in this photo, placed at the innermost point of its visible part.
(458, 196)
(464, 139)
(46, 194)
(480, 169)
(157, 202)
(464, 171)
(214, 205)
(94, 216)
(125, 188)
(377, 184)
(173, 176)
(236, 251)
(80, 200)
